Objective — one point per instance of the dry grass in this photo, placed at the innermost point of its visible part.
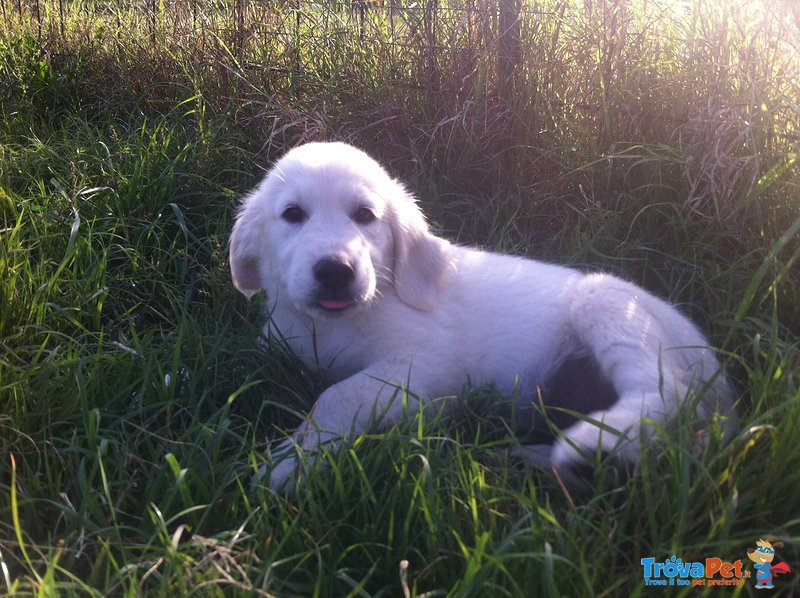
(709, 86)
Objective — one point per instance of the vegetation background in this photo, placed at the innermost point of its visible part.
(657, 139)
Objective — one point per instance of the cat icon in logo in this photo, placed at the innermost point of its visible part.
(762, 556)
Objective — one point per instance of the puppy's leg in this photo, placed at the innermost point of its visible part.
(350, 407)
(652, 356)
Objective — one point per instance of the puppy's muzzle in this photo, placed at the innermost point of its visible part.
(335, 277)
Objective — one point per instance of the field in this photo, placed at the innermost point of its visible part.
(655, 139)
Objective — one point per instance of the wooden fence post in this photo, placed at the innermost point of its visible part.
(508, 48)
(431, 9)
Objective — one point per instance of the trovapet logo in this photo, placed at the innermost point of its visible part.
(762, 556)
(712, 571)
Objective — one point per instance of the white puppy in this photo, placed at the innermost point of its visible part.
(358, 285)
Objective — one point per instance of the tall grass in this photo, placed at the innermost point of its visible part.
(655, 139)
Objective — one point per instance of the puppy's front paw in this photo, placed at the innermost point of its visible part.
(280, 474)
(283, 477)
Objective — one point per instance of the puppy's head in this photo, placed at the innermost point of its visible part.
(329, 231)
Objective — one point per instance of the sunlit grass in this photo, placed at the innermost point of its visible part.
(657, 140)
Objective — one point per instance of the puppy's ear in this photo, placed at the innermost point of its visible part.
(245, 255)
(420, 259)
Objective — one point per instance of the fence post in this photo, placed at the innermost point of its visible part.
(153, 9)
(508, 48)
(431, 9)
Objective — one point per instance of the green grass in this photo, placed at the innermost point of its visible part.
(135, 401)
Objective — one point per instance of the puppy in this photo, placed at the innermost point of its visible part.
(357, 284)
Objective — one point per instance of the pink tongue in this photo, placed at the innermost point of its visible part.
(334, 304)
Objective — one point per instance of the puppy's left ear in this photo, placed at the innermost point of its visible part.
(420, 259)
(245, 257)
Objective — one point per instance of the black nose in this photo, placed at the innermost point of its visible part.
(333, 274)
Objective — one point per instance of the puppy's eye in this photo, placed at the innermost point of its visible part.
(294, 215)
(364, 216)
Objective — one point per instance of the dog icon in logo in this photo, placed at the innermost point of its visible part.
(762, 556)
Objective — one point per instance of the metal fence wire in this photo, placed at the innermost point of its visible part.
(478, 40)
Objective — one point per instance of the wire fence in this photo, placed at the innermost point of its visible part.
(425, 35)
(677, 90)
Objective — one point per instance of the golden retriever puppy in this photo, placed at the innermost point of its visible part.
(357, 284)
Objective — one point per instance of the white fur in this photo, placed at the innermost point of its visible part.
(429, 315)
